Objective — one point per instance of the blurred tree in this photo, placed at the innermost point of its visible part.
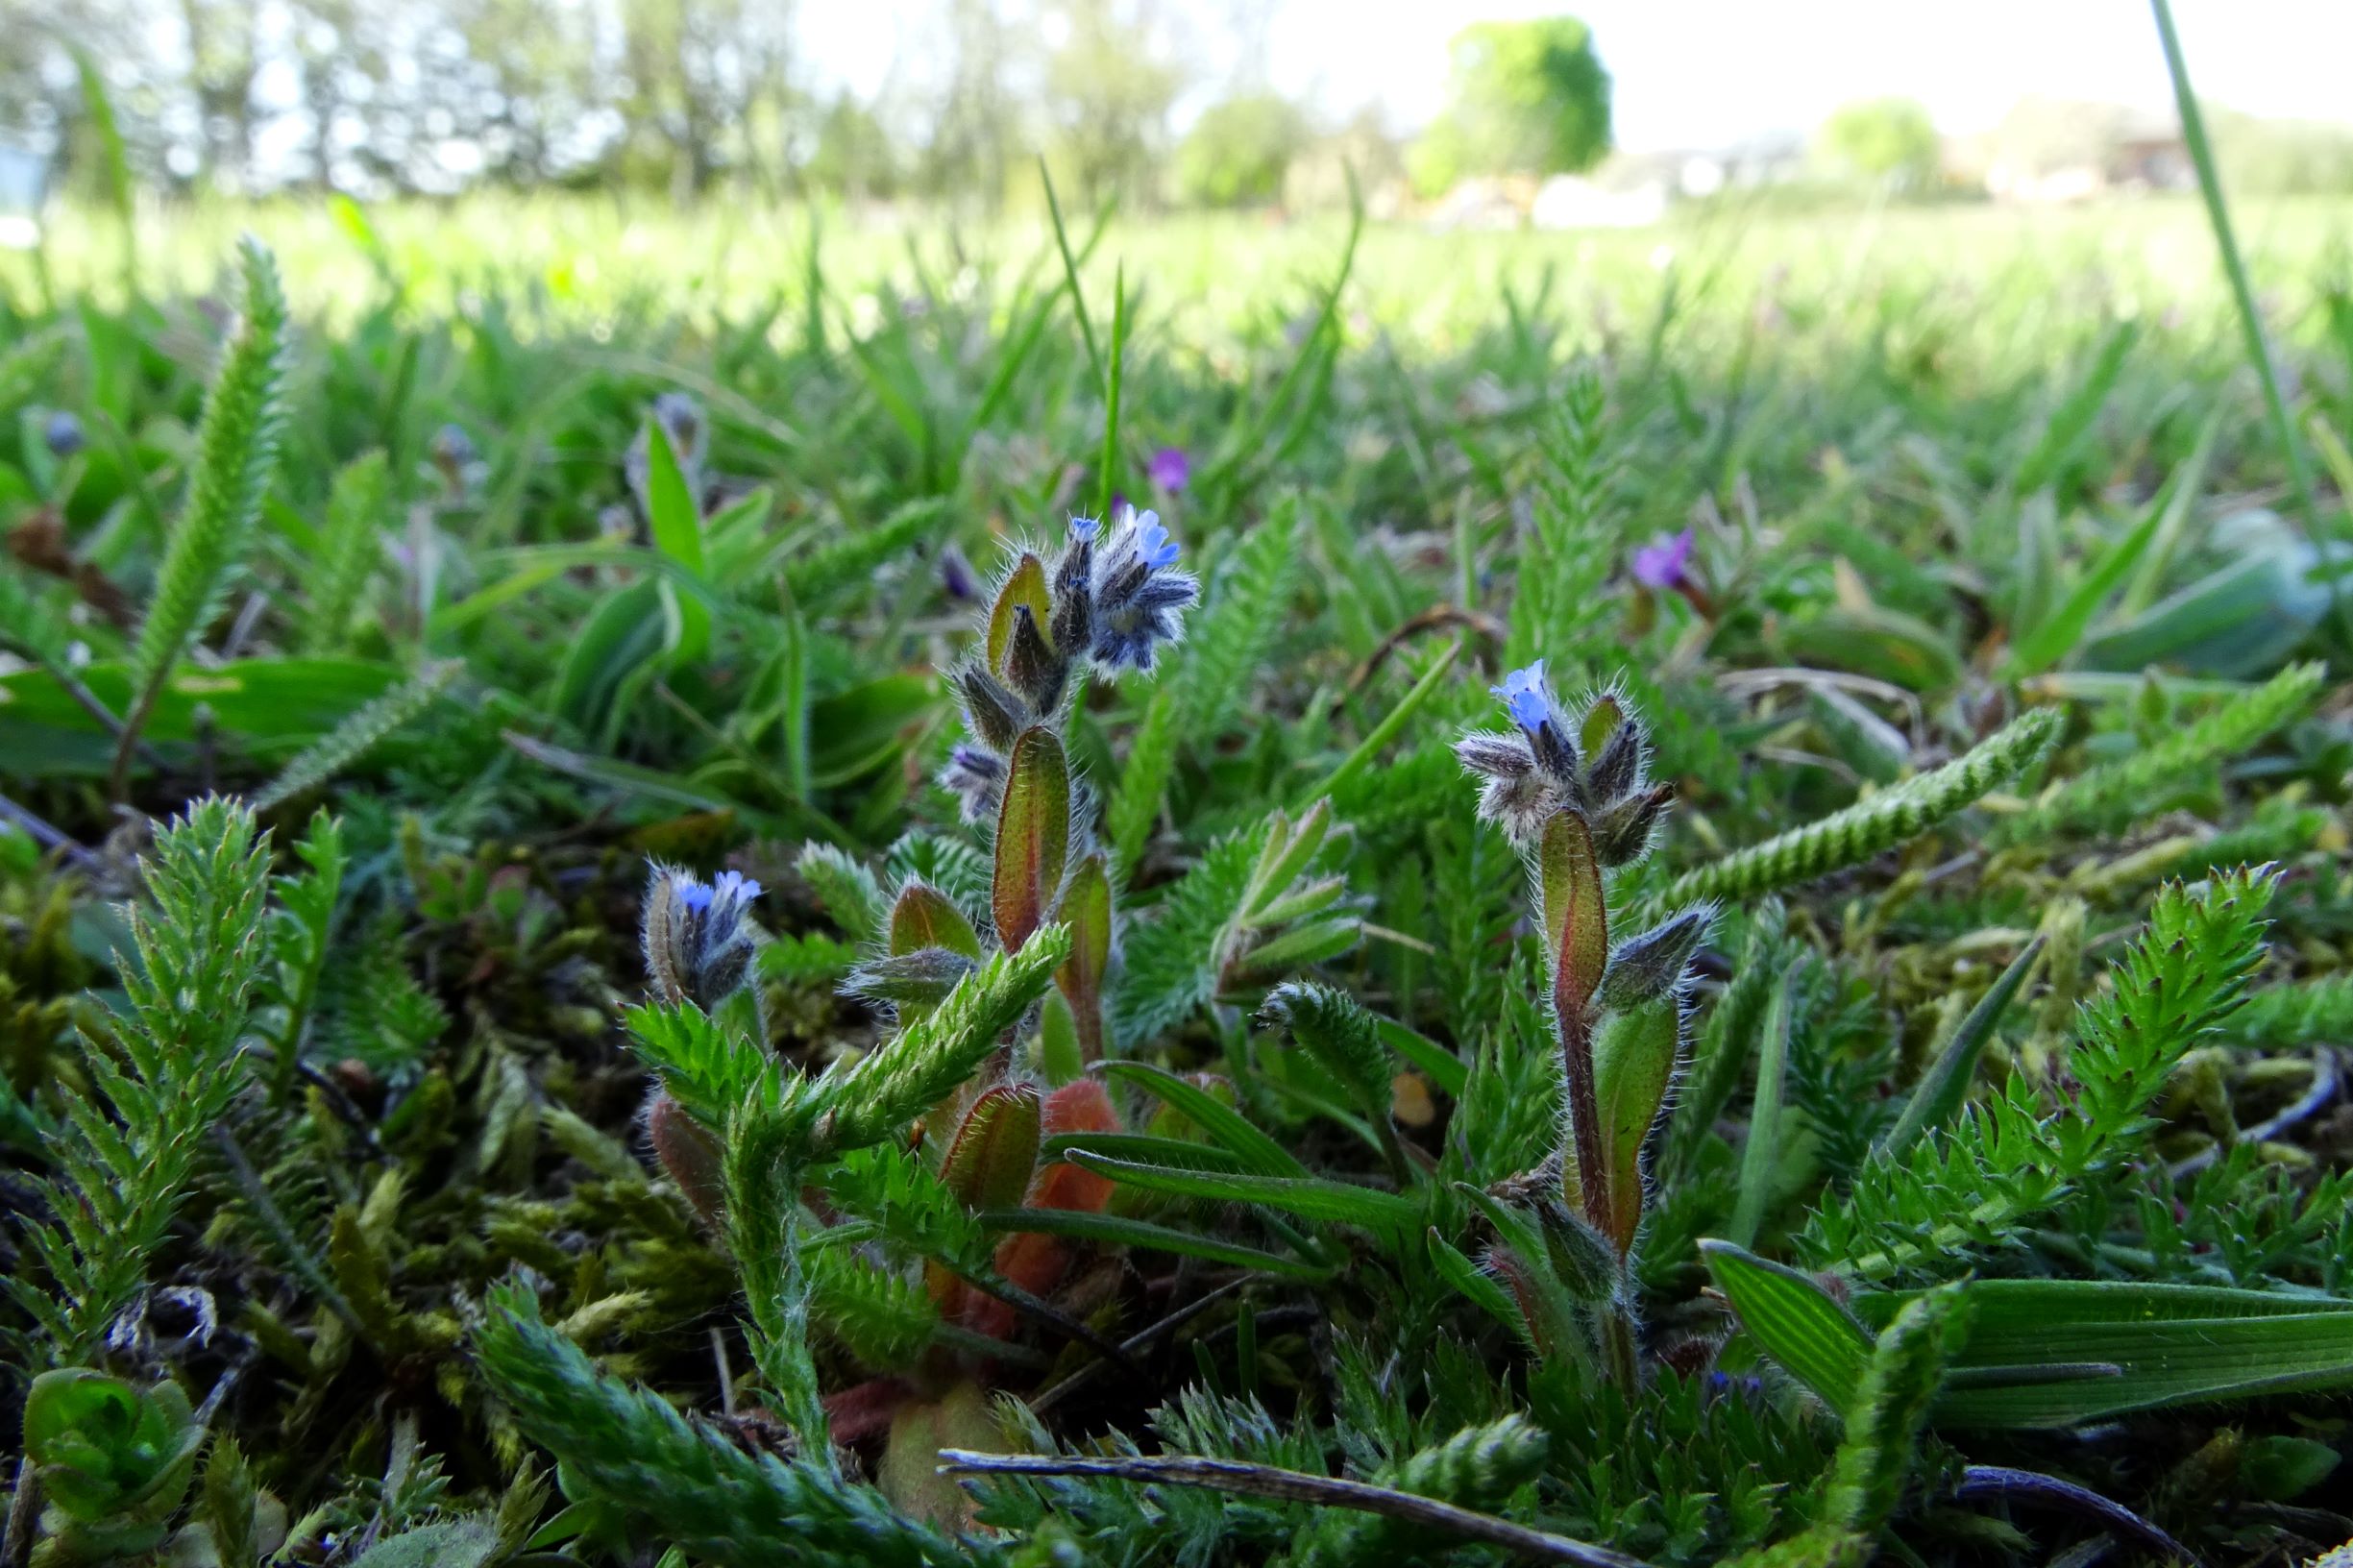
(975, 133)
(1889, 141)
(542, 109)
(1526, 98)
(704, 77)
(1238, 151)
(851, 154)
(224, 57)
(2281, 158)
(1109, 84)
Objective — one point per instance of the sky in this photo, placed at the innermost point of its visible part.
(1706, 73)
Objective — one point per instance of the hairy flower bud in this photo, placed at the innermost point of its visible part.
(993, 714)
(1139, 593)
(976, 776)
(1647, 967)
(698, 947)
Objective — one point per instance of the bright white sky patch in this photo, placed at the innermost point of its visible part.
(1705, 73)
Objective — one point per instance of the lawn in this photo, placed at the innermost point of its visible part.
(1680, 900)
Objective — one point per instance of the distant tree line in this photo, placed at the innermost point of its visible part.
(377, 97)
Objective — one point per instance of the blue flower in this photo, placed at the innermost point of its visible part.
(1525, 698)
(62, 434)
(1152, 541)
(1139, 594)
(1085, 527)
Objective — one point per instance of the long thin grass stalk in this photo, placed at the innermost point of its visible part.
(2242, 291)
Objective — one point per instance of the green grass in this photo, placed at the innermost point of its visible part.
(1989, 513)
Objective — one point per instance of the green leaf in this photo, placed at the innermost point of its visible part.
(1937, 1099)
(1308, 1197)
(1576, 920)
(2059, 633)
(996, 1152)
(1796, 1321)
(1025, 586)
(1119, 1231)
(1633, 1061)
(446, 1543)
(262, 705)
(677, 526)
(1473, 1285)
(1086, 909)
(924, 917)
(1219, 1121)
(106, 1448)
(1033, 836)
(2168, 1344)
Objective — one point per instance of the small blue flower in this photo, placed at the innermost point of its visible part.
(1525, 697)
(1152, 541)
(735, 887)
(62, 434)
(1140, 595)
(1085, 527)
(694, 894)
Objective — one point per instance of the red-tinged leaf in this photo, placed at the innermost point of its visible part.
(925, 917)
(996, 1151)
(1576, 922)
(1086, 909)
(1033, 836)
(1082, 1107)
(689, 1154)
(1026, 586)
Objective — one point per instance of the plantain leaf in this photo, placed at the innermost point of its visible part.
(2078, 1350)
(1224, 1125)
(1795, 1320)
(1119, 1231)
(1308, 1197)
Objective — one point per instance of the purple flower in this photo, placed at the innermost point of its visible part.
(1665, 561)
(1525, 697)
(957, 576)
(1170, 469)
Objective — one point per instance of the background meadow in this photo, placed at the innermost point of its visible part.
(423, 1174)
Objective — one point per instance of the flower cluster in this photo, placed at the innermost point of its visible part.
(1111, 601)
(1539, 769)
(698, 944)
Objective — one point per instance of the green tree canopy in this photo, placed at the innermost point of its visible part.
(1888, 140)
(1526, 98)
(1240, 150)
